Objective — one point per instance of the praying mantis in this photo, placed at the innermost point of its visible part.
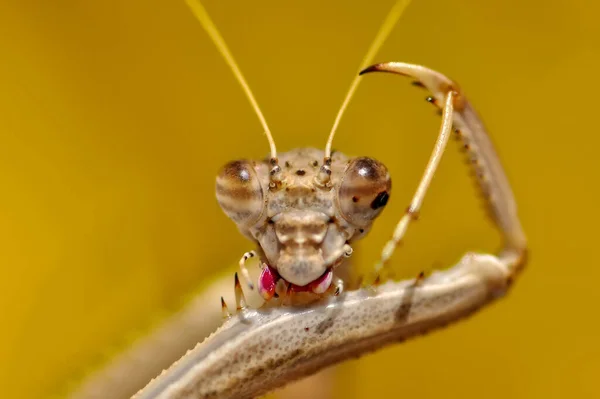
(258, 350)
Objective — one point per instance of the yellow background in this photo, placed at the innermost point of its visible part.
(116, 116)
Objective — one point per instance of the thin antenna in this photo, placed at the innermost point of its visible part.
(385, 30)
(202, 16)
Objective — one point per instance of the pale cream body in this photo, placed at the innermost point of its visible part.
(303, 228)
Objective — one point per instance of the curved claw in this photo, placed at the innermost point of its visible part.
(438, 84)
(490, 174)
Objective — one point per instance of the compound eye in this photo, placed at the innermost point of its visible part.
(364, 191)
(240, 193)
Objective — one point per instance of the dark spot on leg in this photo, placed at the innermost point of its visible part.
(325, 325)
(414, 215)
(405, 305)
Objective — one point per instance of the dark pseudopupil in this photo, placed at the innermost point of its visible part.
(380, 200)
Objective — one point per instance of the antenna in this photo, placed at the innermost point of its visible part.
(200, 12)
(388, 24)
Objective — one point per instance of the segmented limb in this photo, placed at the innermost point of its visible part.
(360, 321)
(347, 250)
(339, 286)
(240, 298)
(237, 360)
(412, 211)
(244, 269)
(491, 177)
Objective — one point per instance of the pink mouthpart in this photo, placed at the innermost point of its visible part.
(319, 286)
(267, 282)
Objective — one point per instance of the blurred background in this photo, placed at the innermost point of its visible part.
(116, 116)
